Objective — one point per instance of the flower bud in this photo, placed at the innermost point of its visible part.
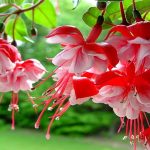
(2, 27)
(101, 5)
(14, 43)
(137, 15)
(34, 31)
(5, 36)
(100, 20)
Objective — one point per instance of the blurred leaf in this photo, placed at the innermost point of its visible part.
(20, 30)
(4, 7)
(90, 18)
(113, 9)
(18, 2)
(148, 16)
(44, 14)
(142, 7)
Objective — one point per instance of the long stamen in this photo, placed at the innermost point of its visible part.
(130, 132)
(14, 108)
(135, 134)
(60, 89)
(44, 80)
(64, 109)
(122, 124)
(141, 120)
(53, 118)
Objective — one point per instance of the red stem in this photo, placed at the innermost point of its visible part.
(124, 20)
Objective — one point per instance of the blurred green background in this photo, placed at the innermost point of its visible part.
(89, 126)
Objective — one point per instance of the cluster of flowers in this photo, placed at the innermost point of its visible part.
(115, 72)
(16, 75)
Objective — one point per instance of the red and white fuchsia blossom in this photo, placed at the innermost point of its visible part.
(127, 91)
(133, 44)
(89, 70)
(80, 55)
(16, 75)
(115, 72)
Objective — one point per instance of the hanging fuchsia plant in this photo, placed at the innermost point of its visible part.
(115, 71)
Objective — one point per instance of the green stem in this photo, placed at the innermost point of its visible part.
(14, 25)
(19, 11)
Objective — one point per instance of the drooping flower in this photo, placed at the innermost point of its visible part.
(68, 90)
(127, 92)
(16, 75)
(133, 44)
(80, 55)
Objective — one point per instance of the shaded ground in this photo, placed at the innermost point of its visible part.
(34, 140)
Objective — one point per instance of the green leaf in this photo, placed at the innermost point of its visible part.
(148, 16)
(44, 14)
(141, 6)
(90, 18)
(113, 9)
(4, 7)
(18, 2)
(20, 30)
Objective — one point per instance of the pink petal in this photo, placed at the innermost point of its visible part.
(65, 35)
(99, 66)
(143, 88)
(80, 62)
(66, 54)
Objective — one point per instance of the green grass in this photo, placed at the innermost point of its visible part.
(35, 140)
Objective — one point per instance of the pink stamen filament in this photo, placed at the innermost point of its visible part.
(130, 132)
(14, 103)
(61, 88)
(135, 134)
(122, 124)
(53, 118)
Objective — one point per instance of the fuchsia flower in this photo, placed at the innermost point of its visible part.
(80, 55)
(8, 55)
(74, 85)
(16, 75)
(68, 90)
(127, 92)
(133, 44)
